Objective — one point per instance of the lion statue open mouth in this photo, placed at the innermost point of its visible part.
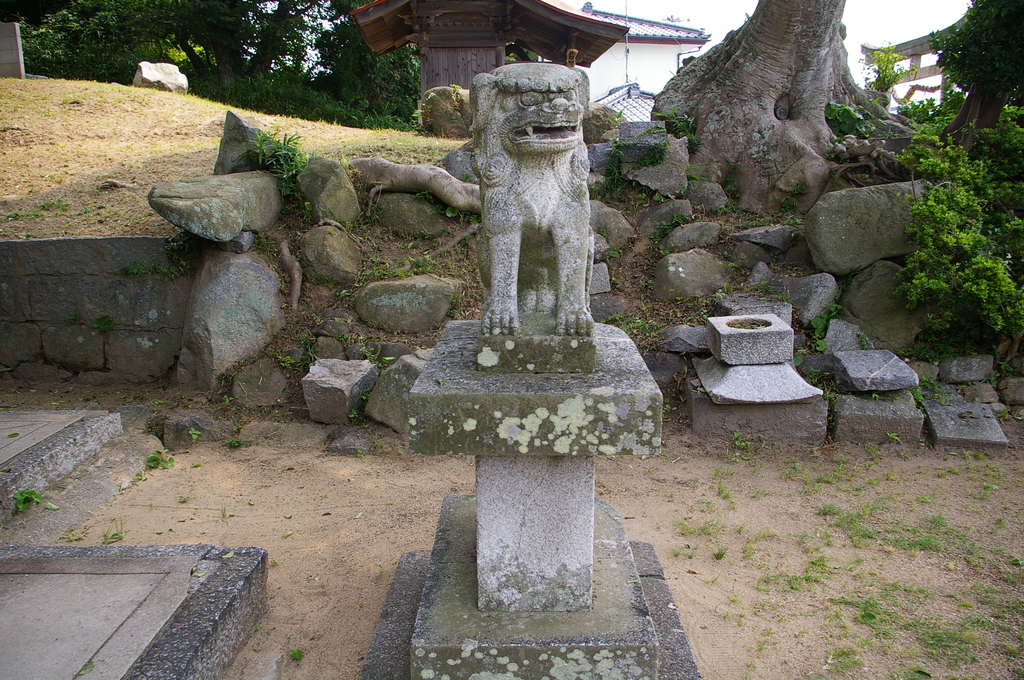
(536, 247)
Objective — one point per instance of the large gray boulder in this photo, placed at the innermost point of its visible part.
(872, 303)
(160, 76)
(331, 254)
(219, 207)
(445, 112)
(693, 235)
(811, 296)
(233, 311)
(459, 164)
(707, 195)
(695, 272)
(261, 384)
(235, 153)
(649, 220)
(668, 177)
(389, 401)
(848, 230)
(411, 216)
(414, 305)
(325, 184)
(609, 223)
(600, 120)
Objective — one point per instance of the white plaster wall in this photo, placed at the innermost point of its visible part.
(649, 65)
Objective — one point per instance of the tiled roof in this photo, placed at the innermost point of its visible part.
(633, 103)
(644, 28)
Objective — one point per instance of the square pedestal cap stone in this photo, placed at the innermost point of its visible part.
(863, 420)
(456, 409)
(801, 422)
(452, 637)
(761, 384)
(873, 370)
(528, 353)
(964, 427)
(750, 339)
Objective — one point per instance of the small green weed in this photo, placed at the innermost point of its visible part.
(25, 499)
(157, 460)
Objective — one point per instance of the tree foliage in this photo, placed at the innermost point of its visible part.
(986, 52)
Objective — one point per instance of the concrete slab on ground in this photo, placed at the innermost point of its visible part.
(20, 430)
(127, 611)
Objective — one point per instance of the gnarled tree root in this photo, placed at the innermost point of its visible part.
(412, 179)
(291, 265)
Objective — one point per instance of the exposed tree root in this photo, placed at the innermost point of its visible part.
(453, 241)
(291, 265)
(388, 176)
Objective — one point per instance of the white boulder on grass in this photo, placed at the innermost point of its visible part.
(160, 76)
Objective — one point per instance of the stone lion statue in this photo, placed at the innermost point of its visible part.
(536, 246)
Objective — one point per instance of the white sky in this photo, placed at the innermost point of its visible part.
(877, 22)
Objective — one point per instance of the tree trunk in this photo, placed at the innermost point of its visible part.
(758, 99)
(980, 110)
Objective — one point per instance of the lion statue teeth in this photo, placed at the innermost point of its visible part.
(535, 248)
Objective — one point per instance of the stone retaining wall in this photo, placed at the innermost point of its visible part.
(64, 301)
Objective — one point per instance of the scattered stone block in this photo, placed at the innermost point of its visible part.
(333, 388)
(413, 305)
(958, 370)
(981, 393)
(747, 255)
(600, 120)
(796, 422)
(601, 247)
(412, 216)
(695, 272)
(35, 371)
(239, 244)
(542, 560)
(219, 207)
(750, 339)
(864, 420)
(693, 339)
(964, 427)
(816, 364)
(329, 348)
(261, 384)
(843, 336)
(925, 370)
(749, 303)
(668, 177)
(776, 238)
(183, 428)
(233, 311)
(600, 281)
(689, 236)
(664, 366)
(234, 154)
(812, 296)
(637, 138)
(331, 254)
(446, 112)
(325, 184)
(143, 354)
(609, 223)
(799, 252)
(873, 370)
(603, 307)
(166, 77)
(350, 441)
(332, 328)
(389, 400)
(762, 384)
(660, 213)
(707, 195)
(849, 229)
(1012, 391)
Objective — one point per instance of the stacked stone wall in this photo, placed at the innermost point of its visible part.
(66, 301)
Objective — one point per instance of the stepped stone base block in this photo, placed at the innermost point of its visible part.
(453, 637)
(456, 409)
(535, 532)
(805, 422)
(389, 655)
(762, 384)
(864, 420)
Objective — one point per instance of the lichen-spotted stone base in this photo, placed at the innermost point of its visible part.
(455, 409)
(536, 354)
(454, 640)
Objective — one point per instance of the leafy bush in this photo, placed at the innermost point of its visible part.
(282, 158)
(844, 120)
(970, 260)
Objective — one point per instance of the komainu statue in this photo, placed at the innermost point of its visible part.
(535, 247)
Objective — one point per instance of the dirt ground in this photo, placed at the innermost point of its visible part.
(785, 562)
(894, 561)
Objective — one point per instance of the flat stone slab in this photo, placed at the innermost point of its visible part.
(685, 339)
(801, 422)
(56, 441)
(453, 637)
(750, 339)
(873, 370)
(962, 426)
(764, 384)
(455, 409)
(20, 430)
(138, 612)
(863, 420)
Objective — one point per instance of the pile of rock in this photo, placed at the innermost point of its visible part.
(877, 406)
